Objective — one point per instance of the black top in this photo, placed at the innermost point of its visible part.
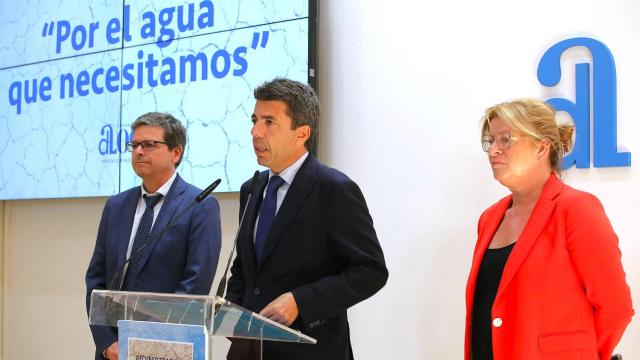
(487, 284)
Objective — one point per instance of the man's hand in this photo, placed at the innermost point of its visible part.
(283, 309)
(112, 351)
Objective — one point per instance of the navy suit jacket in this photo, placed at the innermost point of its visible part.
(322, 247)
(183, 260)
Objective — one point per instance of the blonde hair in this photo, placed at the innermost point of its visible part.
(536, 119)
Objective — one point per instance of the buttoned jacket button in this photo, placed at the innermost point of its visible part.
(497, 322)
(256, 291)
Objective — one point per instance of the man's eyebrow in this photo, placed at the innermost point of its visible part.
(268, 117)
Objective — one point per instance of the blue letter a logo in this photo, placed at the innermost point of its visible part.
(605, 145)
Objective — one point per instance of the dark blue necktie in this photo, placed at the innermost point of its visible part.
(267, 213)
(142, 236)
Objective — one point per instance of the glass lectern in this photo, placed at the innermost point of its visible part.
(154, 325)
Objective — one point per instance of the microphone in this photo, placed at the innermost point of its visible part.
(223, 282)
(207, 191)
(115, 282)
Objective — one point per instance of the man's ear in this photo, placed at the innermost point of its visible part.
(177, 153)
(303, 132)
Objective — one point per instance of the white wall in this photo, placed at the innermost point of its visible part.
(402, 86)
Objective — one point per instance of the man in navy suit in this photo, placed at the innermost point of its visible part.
(185, 257)
(307, 249)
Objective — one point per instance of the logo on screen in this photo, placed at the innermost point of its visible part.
(603, 106)
(113, 143)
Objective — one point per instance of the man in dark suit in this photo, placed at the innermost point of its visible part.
(307, 249)
(185, 257)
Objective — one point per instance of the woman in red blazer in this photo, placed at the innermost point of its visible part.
(546, 281)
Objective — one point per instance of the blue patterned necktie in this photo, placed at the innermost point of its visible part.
(142, 236)
(267, 213)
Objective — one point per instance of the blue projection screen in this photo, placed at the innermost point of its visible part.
(75, 75)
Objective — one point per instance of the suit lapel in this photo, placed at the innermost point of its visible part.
(535, 225)
(487, 230)
(174, 197)
(298, 192)
(129, 207)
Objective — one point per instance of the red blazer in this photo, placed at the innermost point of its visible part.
(563, 293)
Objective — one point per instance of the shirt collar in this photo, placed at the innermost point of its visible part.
(164, 189)
(290, 172)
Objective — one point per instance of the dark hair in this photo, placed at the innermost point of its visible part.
(175, 135)
(302, 102)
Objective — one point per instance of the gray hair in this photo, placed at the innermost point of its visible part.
(175, 135)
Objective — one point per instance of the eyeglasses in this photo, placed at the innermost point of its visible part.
(147, 145)
(503, 140)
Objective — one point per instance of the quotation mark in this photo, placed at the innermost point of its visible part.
(49, 28)
(256, 37)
